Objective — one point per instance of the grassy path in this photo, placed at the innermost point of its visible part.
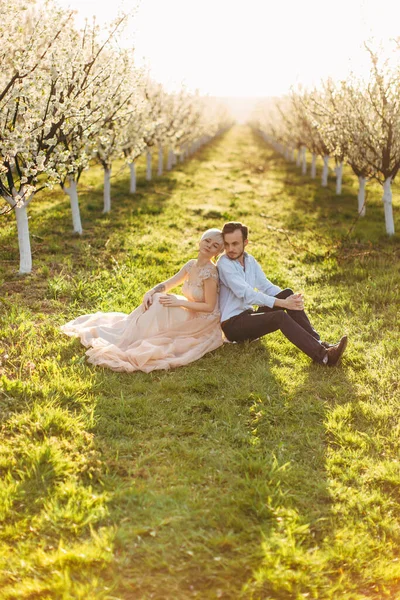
(251, 473)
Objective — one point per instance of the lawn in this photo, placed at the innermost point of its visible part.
(250, 474)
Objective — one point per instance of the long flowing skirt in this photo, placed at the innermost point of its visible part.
(158, 338)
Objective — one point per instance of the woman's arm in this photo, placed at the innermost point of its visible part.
(210, 298)
(164, 286)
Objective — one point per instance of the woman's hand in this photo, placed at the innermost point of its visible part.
(170, 300)
(147, 300)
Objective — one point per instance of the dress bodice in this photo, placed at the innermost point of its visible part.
(193, 287)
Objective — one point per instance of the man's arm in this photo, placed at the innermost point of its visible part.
(240, 288)
(292, 302)
(262, 283)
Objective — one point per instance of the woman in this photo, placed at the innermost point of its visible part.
(166, 330)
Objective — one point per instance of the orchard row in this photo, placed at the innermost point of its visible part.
(68, 97)
(354, 122)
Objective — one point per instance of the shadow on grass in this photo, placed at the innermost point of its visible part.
(193, 464)
(298, 554)
(197, 461)
(179, 456)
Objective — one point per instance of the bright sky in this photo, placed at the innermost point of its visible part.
(249, 47)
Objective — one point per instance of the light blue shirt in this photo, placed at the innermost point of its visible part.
(237, 286)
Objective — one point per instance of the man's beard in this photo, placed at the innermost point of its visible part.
(236, 257)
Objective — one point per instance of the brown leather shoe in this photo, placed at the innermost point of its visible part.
(335, 352)
(327, 345)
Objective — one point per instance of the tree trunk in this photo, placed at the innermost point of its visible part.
(387, 203)
(361, 195)
(160, 161)
(24, 242)
(298, 157)
(324, 178)
(313, 166)
(72, 192)
(132, 184)
(303, 160)
(107, 190)
(148, 165)
(339, 176)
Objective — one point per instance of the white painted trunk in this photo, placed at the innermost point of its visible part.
(298, 157)
(181, 157)
(303, 160)
(361, 195)
(339, 177)
(148, 166)
(169, 160)
(313, 166)
(388, 206)
(174, 159)
(72, 192)
(160, 161)
(107, 191)
(132, 183)
(24, 242)
(325, 169)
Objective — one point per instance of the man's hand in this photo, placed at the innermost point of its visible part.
(294, 302)
(170, 300)
(147, 300)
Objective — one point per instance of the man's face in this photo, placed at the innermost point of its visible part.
(234, 244)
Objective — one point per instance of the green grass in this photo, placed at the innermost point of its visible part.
(252, 473)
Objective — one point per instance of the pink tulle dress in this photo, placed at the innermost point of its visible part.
(158, 338)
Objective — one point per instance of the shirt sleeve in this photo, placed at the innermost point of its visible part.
(240, 288)
(262, 283)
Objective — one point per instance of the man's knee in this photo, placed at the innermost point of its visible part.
(285, 293)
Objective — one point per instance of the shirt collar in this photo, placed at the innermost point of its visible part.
(245, 255)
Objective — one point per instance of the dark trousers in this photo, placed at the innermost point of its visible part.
(294, 324)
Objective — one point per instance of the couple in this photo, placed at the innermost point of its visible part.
(169, 330)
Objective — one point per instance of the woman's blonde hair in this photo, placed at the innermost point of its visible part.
(214, 234)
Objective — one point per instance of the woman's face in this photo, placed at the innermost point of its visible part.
(210, 247)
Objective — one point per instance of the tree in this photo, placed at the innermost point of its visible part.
(117, 107)
(379, 107)
(31, 113)
(84, 69)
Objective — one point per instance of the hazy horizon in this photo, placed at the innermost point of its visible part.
(257, 48)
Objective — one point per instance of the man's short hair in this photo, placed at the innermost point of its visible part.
(233, 226)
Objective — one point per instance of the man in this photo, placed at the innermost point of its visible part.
(239, 275)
